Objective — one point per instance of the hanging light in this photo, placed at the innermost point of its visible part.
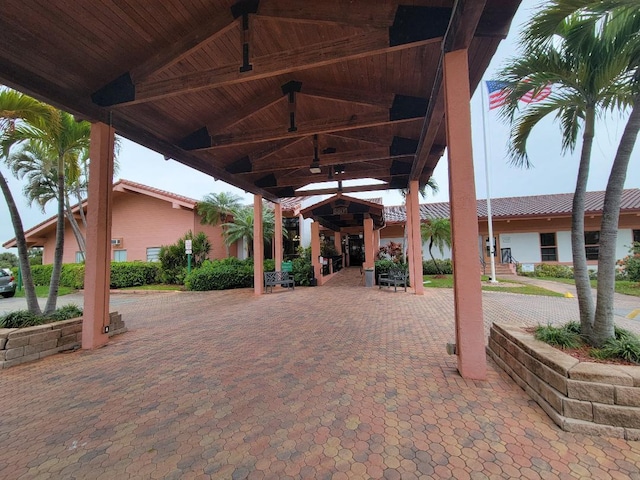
(315, 163)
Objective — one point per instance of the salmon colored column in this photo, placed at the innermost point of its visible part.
(369, 255)
(258, 246)
(315, 251)
(277, 237)
(408, 232)
(337, 243)
(472, 361)
(98, 261)
(416, 239)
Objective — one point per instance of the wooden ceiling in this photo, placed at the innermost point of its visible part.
(240, 89)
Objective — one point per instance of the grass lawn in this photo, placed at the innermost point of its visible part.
(447, 282)
(625, 287)
(42, 291)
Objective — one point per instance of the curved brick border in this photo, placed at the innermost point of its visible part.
(20, 345)
(583, 397)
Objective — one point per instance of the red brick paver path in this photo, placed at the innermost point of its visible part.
(325, 382)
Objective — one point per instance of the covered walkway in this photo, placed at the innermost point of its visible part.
(233, 385)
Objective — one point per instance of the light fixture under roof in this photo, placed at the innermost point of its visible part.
(315, 163)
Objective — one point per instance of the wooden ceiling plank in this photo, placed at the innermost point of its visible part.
(168, 55)
(366, 137)
(307, 128)
(291, 181)
(358, 13)
(224, 121)
(273, 149)
(376, 99)
(293, 60)
(350, 189)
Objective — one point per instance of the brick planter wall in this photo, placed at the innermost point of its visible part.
(583, 397)
(20, 345)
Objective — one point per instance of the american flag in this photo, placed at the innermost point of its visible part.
(498, 94)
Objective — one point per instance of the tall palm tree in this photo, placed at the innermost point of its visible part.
(437, 231)
(218, 208)
(59, 145)
(588, 65)
(16, 108)
(242, 227)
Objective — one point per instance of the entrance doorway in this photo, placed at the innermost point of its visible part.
(356, 251)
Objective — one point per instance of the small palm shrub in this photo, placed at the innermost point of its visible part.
(625, 348)
(24, 318)
(562, 337)
(66, 312)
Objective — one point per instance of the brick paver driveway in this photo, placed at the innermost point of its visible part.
(320, 382)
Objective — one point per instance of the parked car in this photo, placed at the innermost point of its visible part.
(7, 283)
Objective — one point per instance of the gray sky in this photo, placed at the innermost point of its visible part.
(552, 172)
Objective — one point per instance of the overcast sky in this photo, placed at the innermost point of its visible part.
(552, 172)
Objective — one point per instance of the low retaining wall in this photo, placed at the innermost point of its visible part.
(20, 345)
(583, 397)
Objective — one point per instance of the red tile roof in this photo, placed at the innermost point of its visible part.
(532, 206)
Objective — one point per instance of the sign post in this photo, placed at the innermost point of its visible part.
(188, 251)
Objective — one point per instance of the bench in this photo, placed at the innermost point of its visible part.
(278, 278)
(396, 277)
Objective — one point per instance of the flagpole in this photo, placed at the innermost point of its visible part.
(487, 175)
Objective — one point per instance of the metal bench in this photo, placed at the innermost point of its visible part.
(396, 277)
(278, 278)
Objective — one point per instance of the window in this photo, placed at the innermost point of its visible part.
(636, 236)
(79, 257)
(119, 255)
(548, 247)
(153, 254)
(592, 245)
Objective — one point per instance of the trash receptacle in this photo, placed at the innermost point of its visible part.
(369, 277)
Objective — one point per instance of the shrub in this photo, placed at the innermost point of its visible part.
(24, 318)
(221, 275)
(174, 261)
(41, 274)
(269, 265)
(383, 266)
(391, 251)
(302, 271)
(626, 348)
(553, 271)
(630, 265)
(428, 268)
(563, 337)
(72, 275)
(134, 274)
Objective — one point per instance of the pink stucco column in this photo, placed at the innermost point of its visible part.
(369, 255)
(277, 237)
(416, 238)
(315, 251)
(98, 261)
(258, 246)
(337, 244)
(408, 233)
(472, 362)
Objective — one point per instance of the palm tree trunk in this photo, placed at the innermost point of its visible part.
(54, 285)
(23, 254)
(603, 322)
(75, 227)
(433, 258)
(580, 271)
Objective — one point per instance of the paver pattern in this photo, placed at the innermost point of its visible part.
(331, 382)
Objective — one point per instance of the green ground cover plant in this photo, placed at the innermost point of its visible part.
(24, 318)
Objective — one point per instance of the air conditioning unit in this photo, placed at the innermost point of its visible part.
(116, 242)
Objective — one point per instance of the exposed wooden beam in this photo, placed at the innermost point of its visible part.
(288, 61)
(307, 178)
(305, 129)
(462, 26)
(325, 159)
(358, 13)
(182, 46)
(229, 119)
(364, 136)
(333, 191)
(362, 97)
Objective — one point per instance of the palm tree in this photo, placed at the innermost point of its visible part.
(438, 232)
(218, 208)
(242, 227)
(588, 65)
(59, 145)
(14, 109)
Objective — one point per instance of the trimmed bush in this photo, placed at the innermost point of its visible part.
(302, 271)
(428, 268)
(269, 265)
(221, 275)
(72, 275)
(134, 274)
(42, 274)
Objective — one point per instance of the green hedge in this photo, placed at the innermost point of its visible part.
(428, 268)
(221, 275)
(383, 266)
(123, 274)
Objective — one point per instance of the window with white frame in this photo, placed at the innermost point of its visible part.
(153, 254)
(592, 245)
(119, 255)
(548, 247)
